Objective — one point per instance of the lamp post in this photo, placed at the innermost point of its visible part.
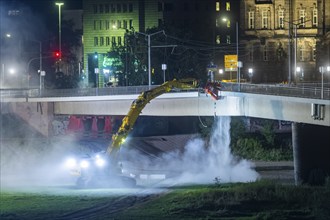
(59, 4)
(149, 53)
(323, 69)
(250, 72)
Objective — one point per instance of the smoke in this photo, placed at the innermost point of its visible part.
(201, 162)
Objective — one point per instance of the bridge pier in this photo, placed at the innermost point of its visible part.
(311, 153)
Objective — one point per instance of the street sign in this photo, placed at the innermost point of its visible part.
(230, 62)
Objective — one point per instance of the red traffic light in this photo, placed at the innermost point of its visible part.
(57, 54)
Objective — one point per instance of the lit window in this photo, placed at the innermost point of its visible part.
(314, 54)
(227, 6)
(315, 17)
(228, 39)
(217, 6)
(281, 19)
(96, 41)
(218, 39)
(302, 18)
(264, 21)
(251, 19)
(113, 24)
(228, 23)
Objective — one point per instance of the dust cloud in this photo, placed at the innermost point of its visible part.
(200, 162)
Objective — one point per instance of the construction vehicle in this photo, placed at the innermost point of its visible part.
(103, 167)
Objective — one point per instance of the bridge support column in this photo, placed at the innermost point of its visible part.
(311, 153)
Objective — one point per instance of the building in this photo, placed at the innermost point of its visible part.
(279, 40)
(284, 40)
(105, 23)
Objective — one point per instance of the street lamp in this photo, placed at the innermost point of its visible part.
(322, 69)
(250, 72)
(149, 53)
(59, 4)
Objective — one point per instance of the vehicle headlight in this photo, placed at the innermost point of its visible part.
(84, 164)
(71, 163)
(100, 162)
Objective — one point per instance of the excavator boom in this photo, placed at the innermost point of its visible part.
(136, 108)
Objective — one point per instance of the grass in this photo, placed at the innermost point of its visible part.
(259, 200)
(263, 199)
(24, 205)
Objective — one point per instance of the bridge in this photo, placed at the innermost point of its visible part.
(307, 106)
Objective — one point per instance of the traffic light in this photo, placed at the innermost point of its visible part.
(57, 54)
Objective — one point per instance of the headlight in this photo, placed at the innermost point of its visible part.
(84, 164)
(71, 163)
(100, 162)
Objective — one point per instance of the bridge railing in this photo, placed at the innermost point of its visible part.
(301, 90)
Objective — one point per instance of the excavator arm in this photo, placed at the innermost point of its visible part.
(136, 108)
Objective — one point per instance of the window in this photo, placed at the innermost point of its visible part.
(131, 24)
(125, 24)
(118, 7)
(217, 6)
(251, 20)
(302, 53)
(265, 54)
(227, 6)
(119, 40)
(100, 23)
(101, 41)
(314, 17)
(96, 41)
(228, 39)
(95, 25)
(160, 6)
(107, 41)
(281, 19)
(95, 9)
(264, 19)
(113, 9)
(113, 24)
(101, 8)
(124, 7)
(113, 41)
(130, 7)
(218, 39)
(107, 25)
(118, 24)
(302, 18)
(251, 53)
(160, 22)
(228, 23)
(314, 54)
(106, 8)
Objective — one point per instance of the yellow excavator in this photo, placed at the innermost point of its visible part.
(103, 168)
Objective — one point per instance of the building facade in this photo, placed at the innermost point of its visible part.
(279, 40)
(282, 39)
